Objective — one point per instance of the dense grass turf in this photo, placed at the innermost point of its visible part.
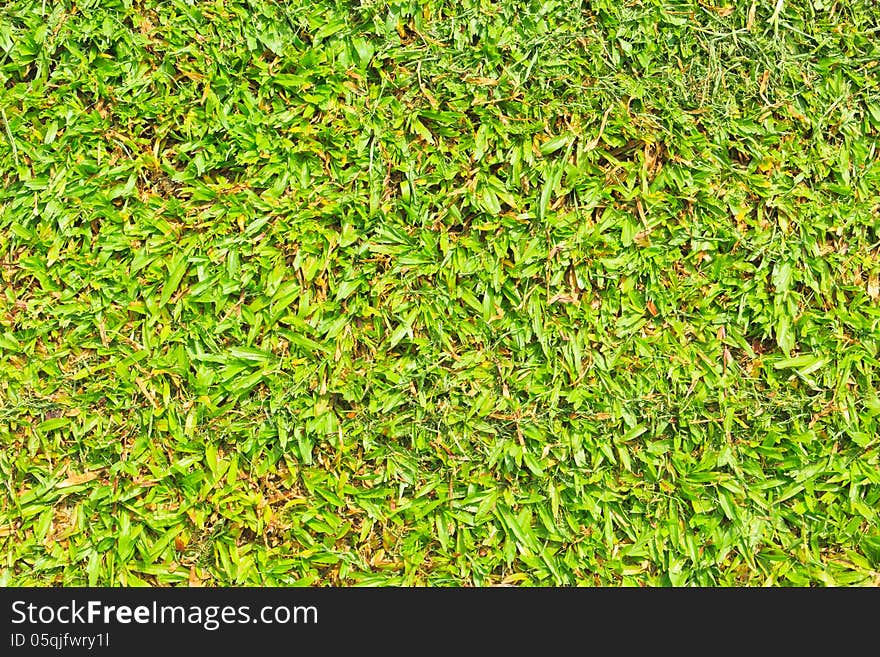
(439, 292)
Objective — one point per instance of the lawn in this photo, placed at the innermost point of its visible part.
(447, 293)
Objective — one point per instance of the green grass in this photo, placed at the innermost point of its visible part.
(445, 293)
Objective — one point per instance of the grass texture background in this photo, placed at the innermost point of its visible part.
(444, 293)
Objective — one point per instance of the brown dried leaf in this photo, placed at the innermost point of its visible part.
(727, 357)
(874, 287)
(77, 479)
